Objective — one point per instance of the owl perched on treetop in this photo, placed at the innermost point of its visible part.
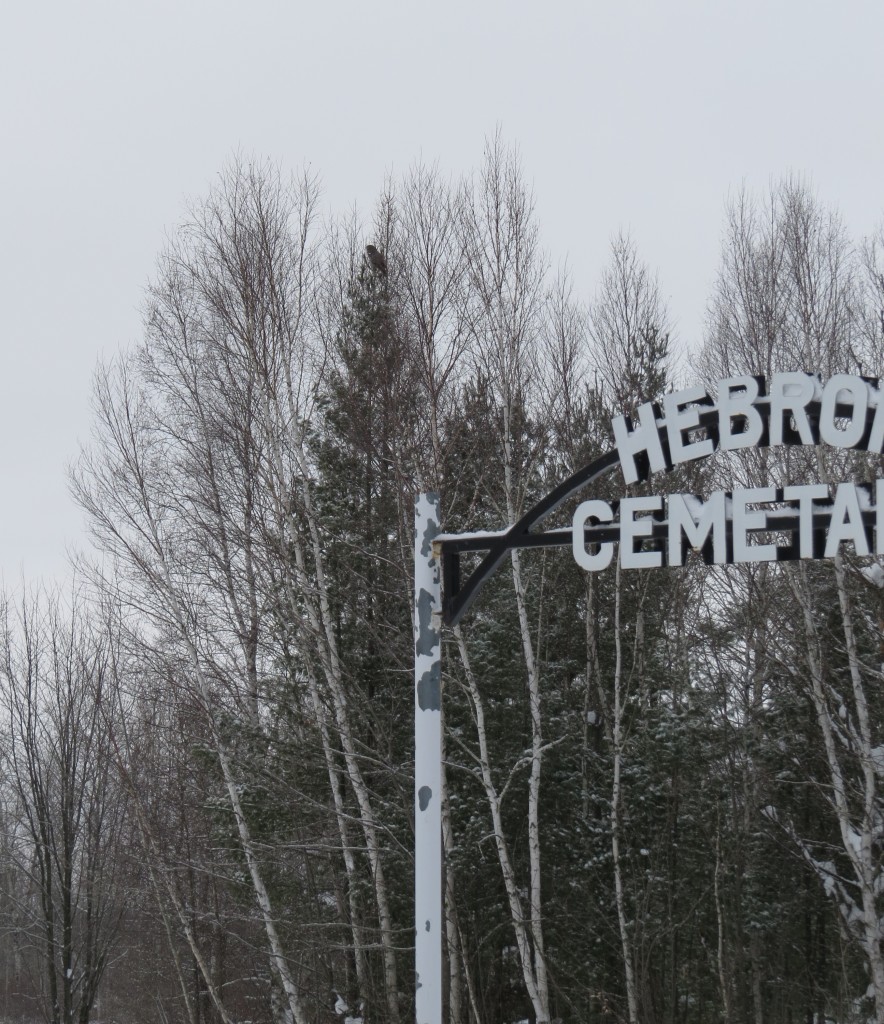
(376, 259)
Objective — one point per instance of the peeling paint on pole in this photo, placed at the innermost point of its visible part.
(427, 763)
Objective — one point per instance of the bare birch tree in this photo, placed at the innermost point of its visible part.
(629, 329)
(788, 297)
(506, 275)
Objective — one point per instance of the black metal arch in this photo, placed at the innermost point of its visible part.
(457, 597)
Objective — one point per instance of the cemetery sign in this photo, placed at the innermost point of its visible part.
(745, 524)
(812, 520)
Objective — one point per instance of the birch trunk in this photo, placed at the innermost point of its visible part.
(616, 797)
(860, 853)
(527, 960)
(867, 862)
(456, 963)
(278, 961)
(152, 852)
(534, 852)
(313, 590)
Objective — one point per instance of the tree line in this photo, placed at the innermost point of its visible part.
(661, 794)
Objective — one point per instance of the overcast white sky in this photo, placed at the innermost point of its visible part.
(628, 115)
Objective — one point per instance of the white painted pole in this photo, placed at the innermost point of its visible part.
(427, 763)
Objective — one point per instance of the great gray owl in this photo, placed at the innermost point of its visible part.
(376, 259)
